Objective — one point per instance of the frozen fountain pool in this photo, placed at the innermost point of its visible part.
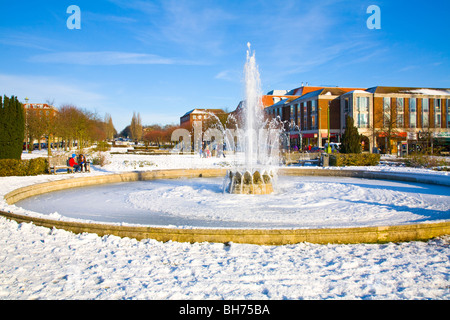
(298, 202)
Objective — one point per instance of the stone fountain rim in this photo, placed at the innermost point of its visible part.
(377, 234)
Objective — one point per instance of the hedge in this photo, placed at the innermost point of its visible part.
(354, 159)
(32, 167)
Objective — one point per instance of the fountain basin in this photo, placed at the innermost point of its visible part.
(408, 232)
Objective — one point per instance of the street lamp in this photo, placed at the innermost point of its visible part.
(26, 126)
(328, 125)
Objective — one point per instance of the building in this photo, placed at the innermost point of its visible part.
(43, 109)
(35, 115)
(202, 115)
(389, 119)
(399, 119)
(311, 115)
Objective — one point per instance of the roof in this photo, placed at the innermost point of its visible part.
(204, 111)
(332, 91)
(39, 106)
(282, 102)
(267, 100)
(409, 90)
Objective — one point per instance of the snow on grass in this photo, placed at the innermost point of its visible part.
(42, 263)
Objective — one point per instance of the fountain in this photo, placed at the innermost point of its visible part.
(259, 138)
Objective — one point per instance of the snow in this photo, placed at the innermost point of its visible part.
(42, 263)
(432, 92)
(298, 202)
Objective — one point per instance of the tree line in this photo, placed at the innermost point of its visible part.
(69, 125)
(154, 134)
(63, 128)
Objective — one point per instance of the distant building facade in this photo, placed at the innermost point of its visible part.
(34, 111)
(389, 119)
(400, 118)
(42, 109)
(187, 120)
(307, 112)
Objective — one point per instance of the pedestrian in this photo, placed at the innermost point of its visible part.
(75, 165)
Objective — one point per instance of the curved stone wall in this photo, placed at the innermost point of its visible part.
(380, 234)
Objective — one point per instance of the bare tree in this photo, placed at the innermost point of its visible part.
(136, 127)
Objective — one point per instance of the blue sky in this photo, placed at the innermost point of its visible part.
(164, 58)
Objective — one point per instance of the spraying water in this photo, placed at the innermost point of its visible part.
(260, 138)
(252, 109)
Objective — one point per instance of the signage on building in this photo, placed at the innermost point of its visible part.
(442, 135)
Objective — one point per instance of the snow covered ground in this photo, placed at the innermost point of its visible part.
(39, 263)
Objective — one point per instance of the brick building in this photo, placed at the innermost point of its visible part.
(390, 119)
(202, 115)
(307, 113)
(400, 118)
(33, 111)
(43, 109)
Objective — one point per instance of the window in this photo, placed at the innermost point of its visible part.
(305, 116)
(362, 108)
(346, 107)
(386, 111)
(363, 120)
(437, 113)
(313, 114)
(425, 113)
(448, 113)
(400, 112)
(413, 113)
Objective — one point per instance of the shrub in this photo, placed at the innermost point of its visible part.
(423, 161)
(102, 146)
(37, 166)
(14, 167)
(101, 159)
(354, 159)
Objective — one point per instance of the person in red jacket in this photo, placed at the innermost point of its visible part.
(74, 164)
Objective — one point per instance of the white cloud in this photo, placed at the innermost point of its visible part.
(40, 89)
(229, 75)
(105, 58)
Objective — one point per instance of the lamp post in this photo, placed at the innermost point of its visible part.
(328, 127)
(26, 126)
